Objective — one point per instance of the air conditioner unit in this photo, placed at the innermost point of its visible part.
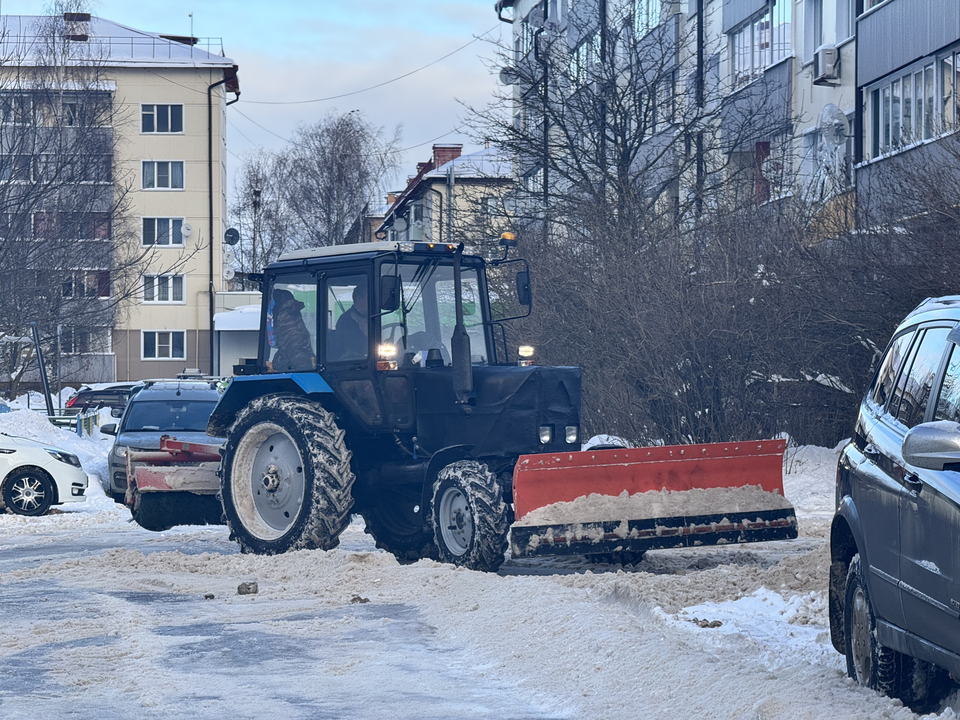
(826, 63)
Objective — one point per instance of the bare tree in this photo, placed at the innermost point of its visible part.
(311, 192)
(68, 253)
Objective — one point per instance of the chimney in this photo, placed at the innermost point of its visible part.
(442, 154)
(391, 198)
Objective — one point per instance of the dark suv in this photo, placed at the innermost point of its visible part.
(895, 539)
(180, 408)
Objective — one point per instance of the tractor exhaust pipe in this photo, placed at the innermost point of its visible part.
(460, 343)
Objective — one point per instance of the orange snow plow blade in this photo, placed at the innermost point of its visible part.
(637, 499)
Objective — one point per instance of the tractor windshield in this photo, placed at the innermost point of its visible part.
(427, 315)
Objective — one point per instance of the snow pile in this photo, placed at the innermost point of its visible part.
(656, 504)
(809, 479)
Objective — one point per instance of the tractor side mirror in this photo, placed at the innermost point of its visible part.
(524, 295)
(389, 293)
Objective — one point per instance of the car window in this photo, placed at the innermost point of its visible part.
(883, 386)
(168, 415)
(913, 387)
(948, 401)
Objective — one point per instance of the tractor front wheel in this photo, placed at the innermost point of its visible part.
(285, 477)
(470, 518)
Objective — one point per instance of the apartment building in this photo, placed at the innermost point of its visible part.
(770, 83)
(453, 198)
(163, 186)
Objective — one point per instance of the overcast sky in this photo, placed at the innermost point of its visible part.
(290, 50)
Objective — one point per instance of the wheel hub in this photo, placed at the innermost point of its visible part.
(860, 636)
(271, 479)
(27, 494)
(456, 521)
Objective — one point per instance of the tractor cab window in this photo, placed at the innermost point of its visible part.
(422, 327)
(291, 337)
(346, 327)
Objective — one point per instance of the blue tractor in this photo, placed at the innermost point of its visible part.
(383, 387)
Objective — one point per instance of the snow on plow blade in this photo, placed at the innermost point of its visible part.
(176, 467)
(637, 499)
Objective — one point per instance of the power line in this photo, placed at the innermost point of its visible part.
(372, 87)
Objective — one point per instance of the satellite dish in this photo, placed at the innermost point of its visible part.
(229, 273)
(400, 224)
(833, 126)
(509, 76)
(231, 236)
(185, 229)
(229, 256)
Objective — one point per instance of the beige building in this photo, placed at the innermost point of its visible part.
(169, 98)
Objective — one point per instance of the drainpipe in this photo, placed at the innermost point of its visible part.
(210, 193)
(450, 190)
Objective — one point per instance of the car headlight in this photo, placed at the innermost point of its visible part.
(120, 451)
(64, 457)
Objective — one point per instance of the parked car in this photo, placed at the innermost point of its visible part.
(37, 476)
(895, 538)
(180, 408)
(112, 395)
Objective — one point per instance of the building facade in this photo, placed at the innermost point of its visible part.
(163, 186)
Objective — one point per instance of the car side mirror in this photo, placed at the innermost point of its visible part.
(524, 294)
(116, 412)
(109, 429)
(933, 446)
(389, 293)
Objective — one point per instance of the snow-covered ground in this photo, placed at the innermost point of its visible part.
(105, 620)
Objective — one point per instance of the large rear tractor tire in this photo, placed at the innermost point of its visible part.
(397, 527)
(285, 477)
(470, 518)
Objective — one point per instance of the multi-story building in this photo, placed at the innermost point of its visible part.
(163, 188)
(453, 198)
(771, 83)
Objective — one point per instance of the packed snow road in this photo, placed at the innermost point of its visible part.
(105, 620)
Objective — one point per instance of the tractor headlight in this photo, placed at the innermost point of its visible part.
(64, 457)
(572, 434)
(546, 434)
(120, 451)
(387, 354)
(526, 355)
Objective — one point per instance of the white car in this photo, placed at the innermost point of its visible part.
(36, 476)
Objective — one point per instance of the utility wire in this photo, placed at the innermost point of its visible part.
(372, 87)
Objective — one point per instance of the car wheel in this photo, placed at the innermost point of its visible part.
(868, 662)
(28, 491)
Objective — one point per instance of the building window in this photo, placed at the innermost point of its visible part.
(163, 288)
(16, 168)
(162, 175)
(162, 231)
(161, 118)
(646, 16)
(86, 284)
(761, 42)
(77, 341)
(71, 226)
(163, 344)
(583, 59)
(904, 110)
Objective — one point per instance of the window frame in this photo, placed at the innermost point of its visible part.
(164, 188)
(143, 346)
(172, 231)
(155, 115)
(170, 283)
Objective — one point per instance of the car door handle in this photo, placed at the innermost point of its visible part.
(913, 483)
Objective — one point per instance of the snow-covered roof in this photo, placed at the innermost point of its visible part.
(109, 43)
(487, 163)
(244, 317)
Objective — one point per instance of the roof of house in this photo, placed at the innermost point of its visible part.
(108, 43)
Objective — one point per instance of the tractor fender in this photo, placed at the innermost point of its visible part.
(244, 388)
(440, 460)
